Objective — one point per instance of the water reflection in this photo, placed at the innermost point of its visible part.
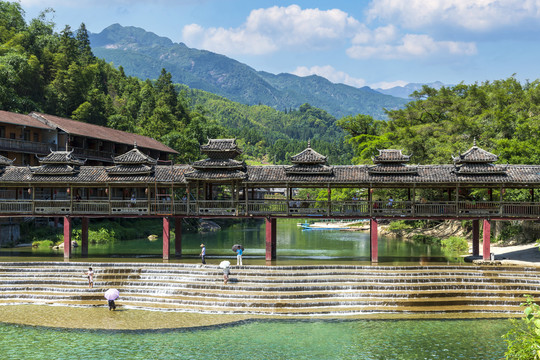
(293, 245)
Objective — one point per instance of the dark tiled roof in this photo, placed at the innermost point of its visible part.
(392, 168)
(216, 175)
(220, 144)
(4, 161)
(129, 169)
(20, 119)
(221, 149)
(61, 157)
(390, 155)
(54, 169)
(343, 175)
(426, 174)
(309, 169)
(480, 169)
(134, 157)
(475, 155)
(100, 132)
(308, 156)
(218, 164)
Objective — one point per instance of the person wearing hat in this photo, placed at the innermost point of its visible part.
(203, 253)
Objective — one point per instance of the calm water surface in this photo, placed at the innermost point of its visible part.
(363, 339)
(293, 245)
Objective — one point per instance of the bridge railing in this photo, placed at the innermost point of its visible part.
(350, 208)
(307, 208)
(16, 207)
(129, 207)
(52, 207)
(438, 208)
(266, 207)
(97, 207)
(216, 207)
(270, 207)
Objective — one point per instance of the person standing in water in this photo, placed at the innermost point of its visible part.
(90, 275)
(239, 253)
(203, 253)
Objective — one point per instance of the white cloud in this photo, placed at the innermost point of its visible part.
(271, 29)
(292, 28)
(476, 15)
(333, 75)
(411, 46)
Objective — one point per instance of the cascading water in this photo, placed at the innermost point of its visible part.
(334, 290)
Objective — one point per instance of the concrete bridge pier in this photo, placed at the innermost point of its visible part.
(271, 228)
(487, 239)
(67, 237)
(166, 237)
(178, 237)
(374, 236)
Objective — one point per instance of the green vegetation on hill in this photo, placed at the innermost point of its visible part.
(143, 54)
(57, 73)
(503, 116)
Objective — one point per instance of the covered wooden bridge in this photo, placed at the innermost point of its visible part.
(472, 187)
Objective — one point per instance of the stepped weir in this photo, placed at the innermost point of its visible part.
(291, 291)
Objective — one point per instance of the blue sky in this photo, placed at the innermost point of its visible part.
(378, 43)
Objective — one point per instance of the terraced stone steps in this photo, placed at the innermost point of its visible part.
(334, 290)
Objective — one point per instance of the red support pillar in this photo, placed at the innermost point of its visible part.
(271, 239)
(84, 237)
(476, 237)
(487, 240)
(67, 237)
(178, 237)
(166, 237)
(374, 235)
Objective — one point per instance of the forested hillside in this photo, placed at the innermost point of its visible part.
(57, 73)
(503, 116)
(143, 54)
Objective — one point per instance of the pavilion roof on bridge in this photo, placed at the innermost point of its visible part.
(475, 155)
(61, 157)
(58, 163)
(221, 149)
(477, 161)
(4, 161)
(391, 162)
(390, 156)
(309, 162)
(133, 162)
(134, 157)
(220, 164)
(309, 156)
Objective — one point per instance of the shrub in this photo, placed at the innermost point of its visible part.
(42, 243)
(426, 239)
(398, 227)
(455, 244)
(523, 339)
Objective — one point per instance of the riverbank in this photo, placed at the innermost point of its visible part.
(526, 254)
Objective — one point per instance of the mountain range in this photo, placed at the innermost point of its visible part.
(143, 54)
(406, 91)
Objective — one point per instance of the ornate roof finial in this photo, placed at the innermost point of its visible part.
(135, 144)
(309, 143)
(474, 141)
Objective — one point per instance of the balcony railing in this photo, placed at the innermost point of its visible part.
(291, 208)
(26, 146)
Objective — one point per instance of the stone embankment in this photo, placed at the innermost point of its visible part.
(334, 291)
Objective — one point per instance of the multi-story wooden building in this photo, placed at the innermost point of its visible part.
(23, 137)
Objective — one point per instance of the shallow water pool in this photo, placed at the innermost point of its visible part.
(267, 339)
